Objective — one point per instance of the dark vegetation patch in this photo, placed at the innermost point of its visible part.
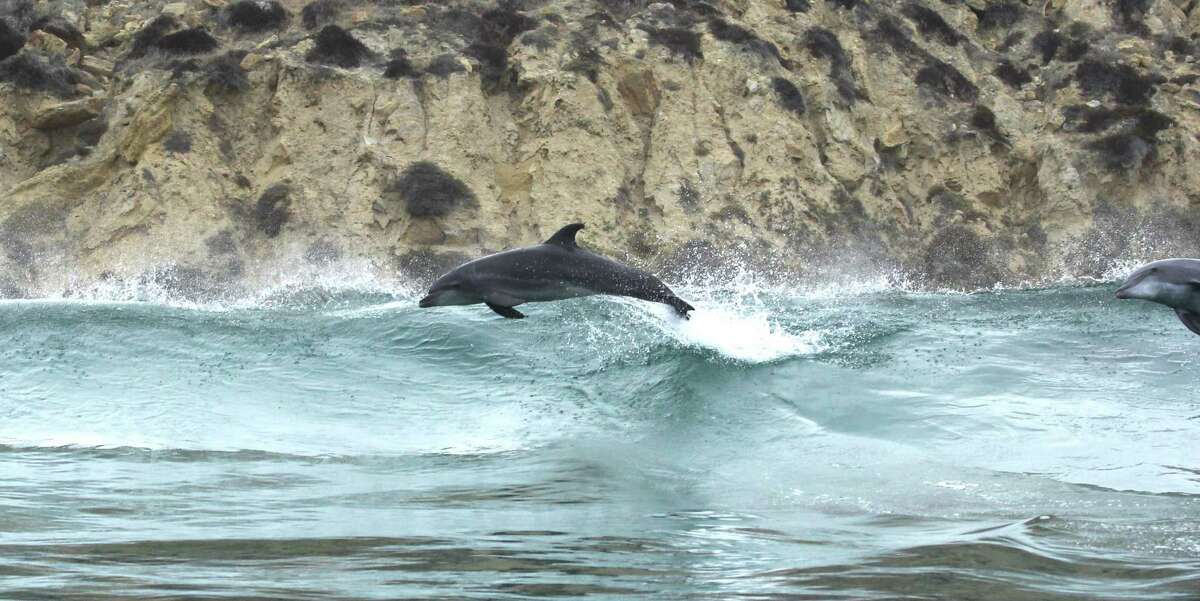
(1129, 14)
(898, 37)
(501, 25)
(949, 203)
(443, 65)
(798, 6)
(788, 95)
(1179, 45)
(273, 209)
(1011, 41)
(822, 43)
(256, 16)
(698, 7)
(1075, 49)
(335, 46)
(1133, 138)
(844, 4)
(1046, 43)
(20, 13)
(689, 196)
(60, 28)
(958, 257)
(585, 57)
(1001, 15)
(945, 80)
(682, 42)
(11, 40)
(984, 121)
(493, 63)
(428, 191)
(224, 73)
(736, 34)
(320, 12)
(1126, 85)
(1122, 152)
(178, 142)
(1143, 122)
(399, 66)
(540, 39)
(91, 131)
(150, 33)
(187, 41)
(1012, 75)
(931, 24)
(32, 70)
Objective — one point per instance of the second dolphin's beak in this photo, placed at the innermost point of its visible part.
(1123, 292)
(426, 302)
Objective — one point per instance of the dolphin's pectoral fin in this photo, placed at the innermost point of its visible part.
(507, 312)
(1189, 319)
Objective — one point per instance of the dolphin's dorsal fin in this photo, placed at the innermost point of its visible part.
(566, 236)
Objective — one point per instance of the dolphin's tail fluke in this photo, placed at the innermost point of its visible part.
(681, 306)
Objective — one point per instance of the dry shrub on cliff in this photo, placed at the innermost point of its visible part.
(735, 34)
(399, 66)
(683, 42)
(224, 73)
(272, 210)
(798, 6)
(585, 57)
(178, 142)
(1129, 15)
(425, 190)
(11, 40)
(443, 65)
(187, 41)
(150, 33)
(428, 191)
(320, 12)
(898, 37)
(1135, 138)
(822, 43)
(945, 80)
(256, 16)
(501, 25)
(1001, 15)
(32, 70)
(493, 63)
(91, 131)
(931, 24)
(1047, 43)
(788, 95)
(1085, 119)
(1126, 85)
(1012, 75)
(335, 46)
(956, 256)
(984, 121)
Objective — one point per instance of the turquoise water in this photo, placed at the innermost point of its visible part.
(325, 444)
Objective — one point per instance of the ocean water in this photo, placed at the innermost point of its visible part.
(340, 443)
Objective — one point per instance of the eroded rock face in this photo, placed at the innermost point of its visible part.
(960, 143)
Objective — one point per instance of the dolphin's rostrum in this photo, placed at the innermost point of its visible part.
(556, 269)
(1171, 282)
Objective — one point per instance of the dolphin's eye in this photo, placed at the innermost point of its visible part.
(1153, 269)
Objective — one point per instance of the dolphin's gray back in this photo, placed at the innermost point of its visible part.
(553, 272)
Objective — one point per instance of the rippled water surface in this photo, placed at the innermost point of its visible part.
(1040, 444)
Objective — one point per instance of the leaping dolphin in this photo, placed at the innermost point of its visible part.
(556, 269)
(1171, 282)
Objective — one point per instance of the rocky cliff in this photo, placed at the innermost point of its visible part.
(963, 143)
